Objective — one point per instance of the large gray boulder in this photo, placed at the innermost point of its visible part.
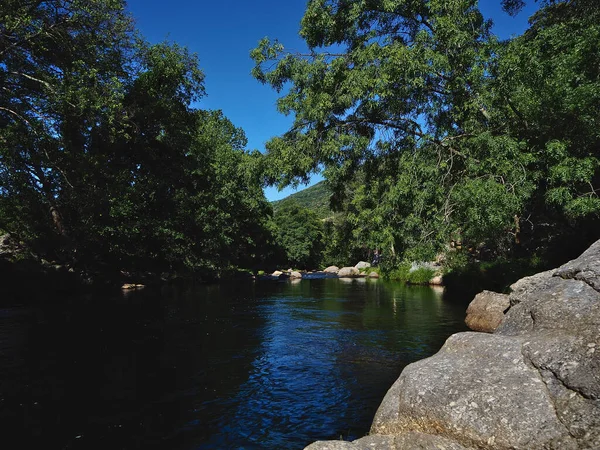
(348, 272)
(486, 311)
(332, 269)
(362, 265)
(532, 384)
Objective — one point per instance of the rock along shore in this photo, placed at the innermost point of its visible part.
(534, 383)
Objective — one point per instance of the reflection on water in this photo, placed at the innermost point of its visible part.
(265, 365)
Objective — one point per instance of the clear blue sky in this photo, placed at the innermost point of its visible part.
(223, 32)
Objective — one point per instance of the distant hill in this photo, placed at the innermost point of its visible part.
(315, 197)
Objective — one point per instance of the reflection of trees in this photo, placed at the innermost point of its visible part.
(131, 371)
(287, 362)
(381, 327)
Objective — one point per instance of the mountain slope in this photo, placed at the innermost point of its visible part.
(315, 198)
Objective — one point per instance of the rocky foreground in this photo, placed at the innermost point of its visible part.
(534, 383)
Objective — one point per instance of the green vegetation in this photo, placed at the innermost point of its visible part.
(104, 165)
(299, 234)
(431, 130)
(403, 273)
(316, 198)
(428, 130)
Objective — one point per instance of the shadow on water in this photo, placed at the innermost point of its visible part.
(265, 365)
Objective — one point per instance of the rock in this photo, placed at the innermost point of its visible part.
(332, 269)
(552, 305)
(528, 284)
(420, 441)
(295, 275)
(332, 445)
(534, 383)
(437, 281)
(412, 440)
(277, 273)
(486, 311)
(480, 391)
(128, 286)
(586, 268)
(373, 275)
(362, 265)
(348, 272)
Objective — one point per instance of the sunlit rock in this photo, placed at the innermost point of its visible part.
(486, 311)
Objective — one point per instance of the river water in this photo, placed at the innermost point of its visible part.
(253, 365)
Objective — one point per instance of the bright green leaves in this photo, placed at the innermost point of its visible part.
(452, 132)
(388, 67)
(551, 80)
(299, 233)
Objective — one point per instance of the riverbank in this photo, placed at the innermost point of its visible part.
(533, 383)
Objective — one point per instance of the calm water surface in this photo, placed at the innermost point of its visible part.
(244, 365)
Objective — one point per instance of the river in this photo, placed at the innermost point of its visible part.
(253, 365)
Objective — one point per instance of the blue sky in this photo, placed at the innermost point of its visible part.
(223, 32)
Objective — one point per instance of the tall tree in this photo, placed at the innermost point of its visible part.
(62, 76)
(408, 97)
(104, 162)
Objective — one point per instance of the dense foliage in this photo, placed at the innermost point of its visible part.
(431, 130)
(298, 234)
(315, 198)
(104, 164)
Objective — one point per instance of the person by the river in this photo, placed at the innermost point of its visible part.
(376, 258)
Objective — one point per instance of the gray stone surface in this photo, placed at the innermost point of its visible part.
(478, 390)
(362, 265)
(412, 440)
(586, 268)
(486, 311)
(553, 304)
(348, 272)
(332, 445)
(332, 269)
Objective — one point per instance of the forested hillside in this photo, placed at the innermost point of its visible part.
(315, 198)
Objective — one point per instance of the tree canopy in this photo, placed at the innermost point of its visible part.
(104, 162)
(450, 133)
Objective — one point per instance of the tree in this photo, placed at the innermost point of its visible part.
(104, 163)
(412, 100)
(62, 76)
(299, 233)
(548, 87)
